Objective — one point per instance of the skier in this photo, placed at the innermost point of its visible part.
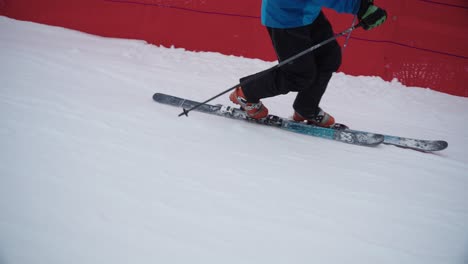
(294, 26)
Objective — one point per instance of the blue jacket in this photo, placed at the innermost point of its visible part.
(297, 13)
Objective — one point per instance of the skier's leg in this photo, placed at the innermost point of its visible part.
(298, 75)
(328, 60)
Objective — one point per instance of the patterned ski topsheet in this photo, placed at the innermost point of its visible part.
(349, 135)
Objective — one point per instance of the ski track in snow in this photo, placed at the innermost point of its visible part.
(93, 171)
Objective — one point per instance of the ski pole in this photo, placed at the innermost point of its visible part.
(349, 34)
(280, 64)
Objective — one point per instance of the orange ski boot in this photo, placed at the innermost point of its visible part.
(253, 110)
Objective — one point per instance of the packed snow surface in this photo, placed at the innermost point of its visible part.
(93, 171)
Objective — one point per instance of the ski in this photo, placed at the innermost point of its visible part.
(347, 136)
(415, 144)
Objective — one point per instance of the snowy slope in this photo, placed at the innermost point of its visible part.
(93, 171)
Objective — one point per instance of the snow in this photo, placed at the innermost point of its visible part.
(93, 171)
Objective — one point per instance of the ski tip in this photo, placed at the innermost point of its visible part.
(440, 145)
(156, 96)
(426, 146)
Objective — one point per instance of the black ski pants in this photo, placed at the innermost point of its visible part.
(308, 75)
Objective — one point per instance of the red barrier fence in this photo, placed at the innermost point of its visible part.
(424, 43)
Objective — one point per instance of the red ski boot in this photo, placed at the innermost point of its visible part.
(253, 110)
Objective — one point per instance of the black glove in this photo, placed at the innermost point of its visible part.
(371, 16)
